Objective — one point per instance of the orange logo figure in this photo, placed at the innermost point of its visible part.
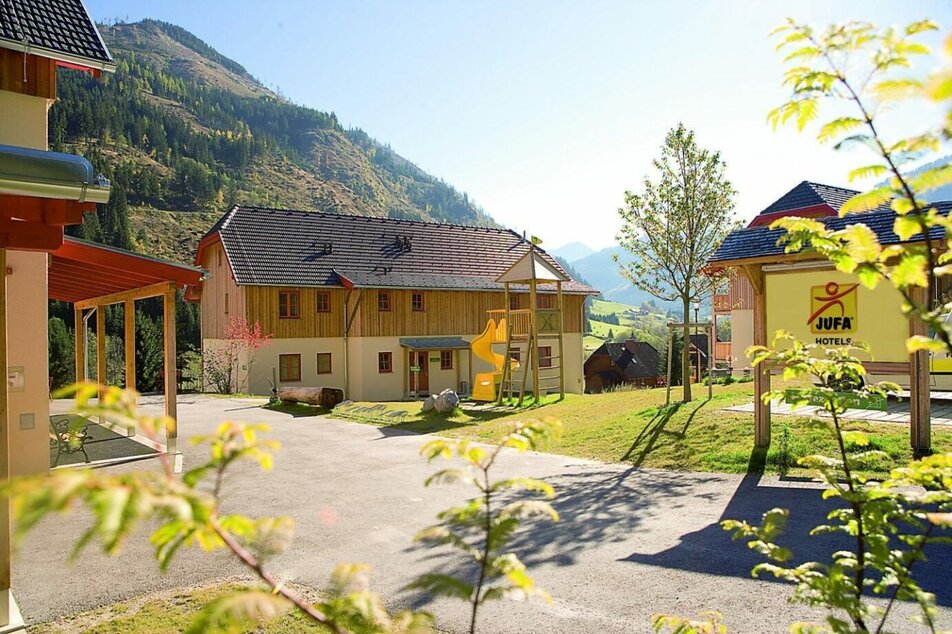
(833, 308)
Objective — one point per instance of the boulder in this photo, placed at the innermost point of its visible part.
(429, 404)
(326, 397)
(446, 402)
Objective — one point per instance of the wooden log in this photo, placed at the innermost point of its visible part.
(326, 397)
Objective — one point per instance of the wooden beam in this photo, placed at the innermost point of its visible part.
(920, 429)
(171, 387)
(130, 343)
(6, 441)
(761, 373)
(79, 335)
(152, 290)
(101, 346)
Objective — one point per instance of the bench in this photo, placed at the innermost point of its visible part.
(66, 438)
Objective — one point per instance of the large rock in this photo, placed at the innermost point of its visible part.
(429, 404)
(446, 402)
(326, 397)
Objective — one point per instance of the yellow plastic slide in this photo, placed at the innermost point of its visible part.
(486, 383)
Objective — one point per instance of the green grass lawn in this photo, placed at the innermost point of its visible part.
(163, 613)
(634, 427)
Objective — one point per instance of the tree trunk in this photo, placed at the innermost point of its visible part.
(686, 349)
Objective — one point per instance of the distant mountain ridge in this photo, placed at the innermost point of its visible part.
(184, 133)
(572, 251)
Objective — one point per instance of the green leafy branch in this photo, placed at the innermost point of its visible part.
(482, 528)
(889, 523)
(857, 63)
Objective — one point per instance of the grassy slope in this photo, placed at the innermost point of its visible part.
(633, 427)
(631, 327)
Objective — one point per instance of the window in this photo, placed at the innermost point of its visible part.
(289, 304)
(545, 356)
(323, 302)
(515, 355)
(289, 367)
(545, 301)
(384, 362)
(383, 301)
(416, 302)
(226, 303)
(446, 359)
(513, 302)
(323, 362)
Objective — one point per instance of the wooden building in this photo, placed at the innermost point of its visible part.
(382, 308)
(630, 363)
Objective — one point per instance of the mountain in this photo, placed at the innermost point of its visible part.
(184, 133)
(573, 251)
(602, 272)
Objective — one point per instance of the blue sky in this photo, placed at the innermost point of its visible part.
(545, 112)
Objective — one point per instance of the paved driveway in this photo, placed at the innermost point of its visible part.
(633, 542)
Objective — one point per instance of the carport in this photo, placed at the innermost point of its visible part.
(92, 276)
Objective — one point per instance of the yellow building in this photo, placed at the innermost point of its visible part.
(381, 308)
(802, 293)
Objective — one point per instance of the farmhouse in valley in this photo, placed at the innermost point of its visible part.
(622, 363)
(382, 308)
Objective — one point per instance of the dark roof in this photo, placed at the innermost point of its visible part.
(808, 194)
(758, 242)
(282, 247)
(636, 359)
(59, 29)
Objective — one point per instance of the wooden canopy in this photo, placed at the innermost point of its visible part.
(81, 272)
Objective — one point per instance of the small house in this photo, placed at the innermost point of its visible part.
(615, 363)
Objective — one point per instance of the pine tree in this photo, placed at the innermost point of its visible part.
(62, 368)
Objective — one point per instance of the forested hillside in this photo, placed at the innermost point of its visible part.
(184, 133)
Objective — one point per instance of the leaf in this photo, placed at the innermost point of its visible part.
(906, 227)
(443, 586)
(234, 612)
(857, 438)
(867, 201)
(912, 270)
(931, 179)
(868, 171)
(836, 127)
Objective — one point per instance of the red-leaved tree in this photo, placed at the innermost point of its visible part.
(228, 364)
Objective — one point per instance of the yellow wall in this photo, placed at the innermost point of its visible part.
(742, 336)
(23, 120)
(879, 321)
(23, 123)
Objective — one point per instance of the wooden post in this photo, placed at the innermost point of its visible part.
(667, 391)
(534, 341)
(456, 362)
(761, 373)
(920, 430)
(711, 333)
(130, 343)
(558, 291)
(101, 345)
(5, 541)
(469, 371)
(171, 388)
(79, 335)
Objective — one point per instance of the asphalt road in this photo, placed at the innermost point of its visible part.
(631, 543)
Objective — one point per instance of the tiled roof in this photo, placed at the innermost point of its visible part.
(52, 26)
(758, 242)
(808, 194)
(636, 359)
(278, 247)
(434, 343)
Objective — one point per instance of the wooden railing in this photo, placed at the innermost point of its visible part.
(520, 321)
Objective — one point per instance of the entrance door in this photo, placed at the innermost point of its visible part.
(419, 371)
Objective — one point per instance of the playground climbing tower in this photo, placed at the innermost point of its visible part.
(535, 330)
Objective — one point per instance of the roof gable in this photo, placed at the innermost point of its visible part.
(283, 247)
(59, 29)
(532, 266)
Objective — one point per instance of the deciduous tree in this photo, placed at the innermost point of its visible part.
(673, 225)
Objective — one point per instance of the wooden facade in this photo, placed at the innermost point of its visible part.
(261, 305)
(34, 75)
